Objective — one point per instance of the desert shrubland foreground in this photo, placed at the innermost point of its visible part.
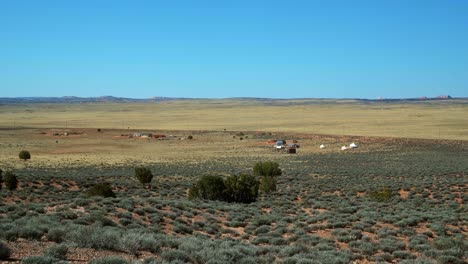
(389, 200)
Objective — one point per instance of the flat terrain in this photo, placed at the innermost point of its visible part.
(324, 210)
(446, 119)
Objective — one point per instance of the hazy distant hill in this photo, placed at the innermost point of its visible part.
(71, 99)
(110, 99)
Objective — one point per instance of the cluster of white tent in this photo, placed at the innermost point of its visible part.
(351, 146)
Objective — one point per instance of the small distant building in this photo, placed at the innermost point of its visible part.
(142, 135)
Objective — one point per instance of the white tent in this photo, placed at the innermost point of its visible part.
(352, 145)
(322, 146)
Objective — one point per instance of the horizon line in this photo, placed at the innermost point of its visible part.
(236, 97)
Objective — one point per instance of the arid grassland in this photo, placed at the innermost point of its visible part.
(398, 198)
(447, 119)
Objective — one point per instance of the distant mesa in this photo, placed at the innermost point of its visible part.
(272, 101)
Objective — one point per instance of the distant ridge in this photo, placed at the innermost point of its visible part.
(110, 99)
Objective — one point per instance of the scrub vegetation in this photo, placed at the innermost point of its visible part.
(90, 196)
(404, 203)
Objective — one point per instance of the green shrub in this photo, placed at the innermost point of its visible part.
(208, 187)
(143, 175)
(241, 188)
(267, 184)
(5, 251)
(131, 242)
(10, 180)
(101, 189)
(446, 243)
(110, 260)
(24, 155)
(151, 261)
(56, 234)
(267, 168)
(177, 256)
(448, 259)
(237, 188)
(57, 251)
(381, 196)
(30, 232)
(41, 260)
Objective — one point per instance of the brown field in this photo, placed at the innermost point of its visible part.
(32, 127)
(426, 119)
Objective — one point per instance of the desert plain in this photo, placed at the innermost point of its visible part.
(399, 197)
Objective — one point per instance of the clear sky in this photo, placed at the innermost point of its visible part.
(217, 49)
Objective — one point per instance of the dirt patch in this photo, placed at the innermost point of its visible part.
(23, 248)
(308, 211)
(56, 185)
(321, 210)
(403, 194)
(372, 236)
(336, 193)
(421, 228)
(326, 233)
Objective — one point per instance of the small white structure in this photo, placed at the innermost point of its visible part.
(344, 148)
(322, 146)
(352, 145)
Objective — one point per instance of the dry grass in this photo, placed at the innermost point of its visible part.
(435, 119)
(91, 148)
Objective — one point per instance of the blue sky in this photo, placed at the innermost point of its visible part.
(217, 49)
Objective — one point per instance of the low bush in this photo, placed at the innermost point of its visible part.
(56, 234)
(381, 196)
(24, 155)
(57, 251)
(176, 256)
(10, 180)
(94, 236)
(101, 189)
(241, 188)
(267, 184)
(131, 241)
(267, 168)
(401, 254)
(5, 251)
(448, 243)
(208, 187)
(42, 260)
(110, 260)
(143, 175)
